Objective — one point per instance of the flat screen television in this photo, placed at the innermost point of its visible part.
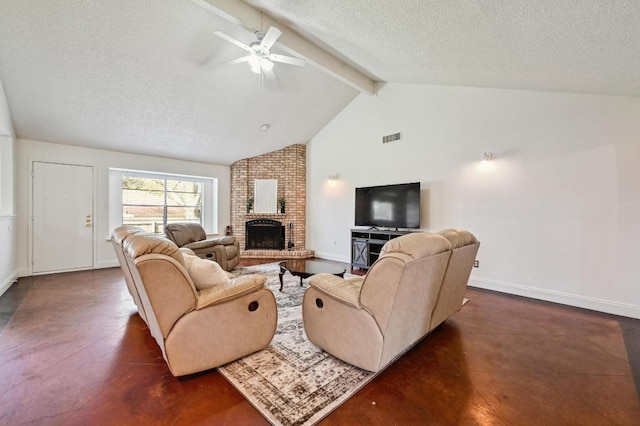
(388, 206)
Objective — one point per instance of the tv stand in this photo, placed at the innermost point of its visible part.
(366, 245)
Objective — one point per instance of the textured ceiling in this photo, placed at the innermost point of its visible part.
(147, 77)
(580, 46)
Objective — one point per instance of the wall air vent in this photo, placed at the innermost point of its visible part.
(391, 138)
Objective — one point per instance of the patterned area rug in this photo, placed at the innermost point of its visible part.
(292, 382)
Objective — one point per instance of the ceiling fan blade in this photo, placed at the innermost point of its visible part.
(287, 59)
(233, 40)
(238, 61)
(269, 74)
(270, 38)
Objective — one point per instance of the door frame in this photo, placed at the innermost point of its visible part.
(30, 212)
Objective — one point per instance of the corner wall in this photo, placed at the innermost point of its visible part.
(556, 210)
(289, 167)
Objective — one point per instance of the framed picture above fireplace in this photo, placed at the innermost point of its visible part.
(265, 192)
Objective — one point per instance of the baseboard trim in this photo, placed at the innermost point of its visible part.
(578, 301)
(106, 264)
(7, 283)
(99, 265)
(330, 256)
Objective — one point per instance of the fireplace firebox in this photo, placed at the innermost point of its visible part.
(264, 234)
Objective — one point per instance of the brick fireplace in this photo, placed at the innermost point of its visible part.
(289, 167)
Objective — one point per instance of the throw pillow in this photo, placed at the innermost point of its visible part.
(205, 273)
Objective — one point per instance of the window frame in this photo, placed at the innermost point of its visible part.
(209, 214)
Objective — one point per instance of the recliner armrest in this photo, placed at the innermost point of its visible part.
(343, 290)
(199, 245)
(226, 240)
(237, 287)
(211, 242)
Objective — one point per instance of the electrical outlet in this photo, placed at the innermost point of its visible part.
(476, 263)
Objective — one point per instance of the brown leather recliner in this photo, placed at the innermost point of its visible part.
(223, 250)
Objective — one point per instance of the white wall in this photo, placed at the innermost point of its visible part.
(104, 256)
(557, 211)
(8, 239)
(6, 125)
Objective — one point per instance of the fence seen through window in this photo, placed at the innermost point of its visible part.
(152, 203)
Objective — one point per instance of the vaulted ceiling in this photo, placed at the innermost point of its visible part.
(151, 77)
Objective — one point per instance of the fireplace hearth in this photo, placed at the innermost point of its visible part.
(264, 234)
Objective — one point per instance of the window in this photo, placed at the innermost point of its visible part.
(152, 203)
(152, 200)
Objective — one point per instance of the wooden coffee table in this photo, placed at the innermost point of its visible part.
(307, 268)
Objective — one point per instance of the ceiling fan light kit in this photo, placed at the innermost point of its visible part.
(260, 57)
(260, 64)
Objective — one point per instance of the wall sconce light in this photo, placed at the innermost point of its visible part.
(487, 156)
(334, 176)
(265, 127)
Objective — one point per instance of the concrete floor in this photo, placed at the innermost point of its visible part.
(74, 351)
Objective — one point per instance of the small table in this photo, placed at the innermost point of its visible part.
(307, 268)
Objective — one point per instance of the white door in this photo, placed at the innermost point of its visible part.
(62, 217)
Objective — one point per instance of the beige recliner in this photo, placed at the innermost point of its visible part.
(464, 246)
(223, 250)
(418, 281)
(117, 236)
(196, 329)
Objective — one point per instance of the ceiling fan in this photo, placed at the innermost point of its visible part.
(260, 57)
